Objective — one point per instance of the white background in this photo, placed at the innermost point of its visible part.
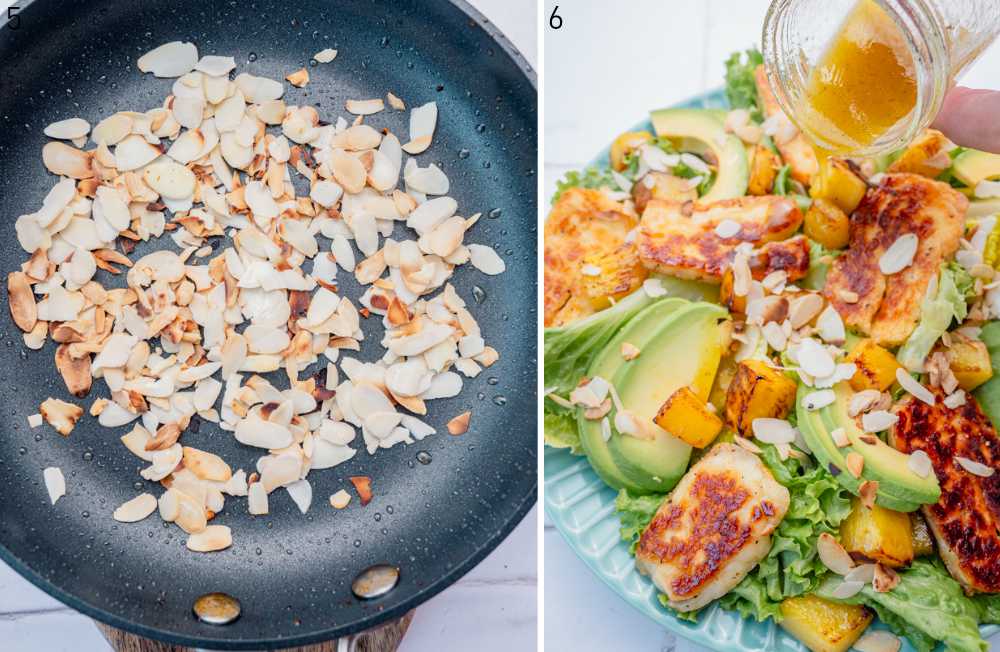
(492, 609)
(605, 69)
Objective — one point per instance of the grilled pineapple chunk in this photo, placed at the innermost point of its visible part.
(763, 170)
(688, 418)
(824, 626)
(837, 183)
(827, 224)
(923, 543)
(969, 361)
(926, 156)
(876, 366)
(879, 534)
(757, 391)
(624, 144)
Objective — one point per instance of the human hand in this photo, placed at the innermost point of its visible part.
(971, 118)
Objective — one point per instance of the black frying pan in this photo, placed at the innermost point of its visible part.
(291, 572)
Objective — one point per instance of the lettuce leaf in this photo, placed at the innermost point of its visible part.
(568, 350)
(741, 89)
(938, 309)
(927, 600)
(591, 177)
(635, 513)
(561, 431)
(792, 567)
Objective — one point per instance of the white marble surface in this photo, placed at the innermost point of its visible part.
(492, 609)
(608, 65)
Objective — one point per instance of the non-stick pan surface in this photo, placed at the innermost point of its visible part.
(291, 572)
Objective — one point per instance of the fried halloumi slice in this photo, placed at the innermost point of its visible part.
(680, 239)
(713, 528)
(888, 307)
(966, 519)
(587, 258)
(798, 153)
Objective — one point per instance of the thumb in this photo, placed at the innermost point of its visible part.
(971, 118)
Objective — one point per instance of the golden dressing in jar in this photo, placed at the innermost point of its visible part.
(863, 84)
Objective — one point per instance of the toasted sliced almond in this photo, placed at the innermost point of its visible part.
(363, 485)
(885, 579)
(21, 301)
(136, 509)
(855, 464)
(460, 425)
(340, 500)
(974, 467)
(364, 107)
(205, 465)
(55, 483)
(172, 59)
(878, 641)
(900, 254)
(212, 539)
(67, 161)
(325, 56)
(833, 555)
(868, 492)
(69, 129)
(299, 78)
(60, 415)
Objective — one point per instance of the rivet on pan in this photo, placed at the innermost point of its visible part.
(217, 608)
(375, 581)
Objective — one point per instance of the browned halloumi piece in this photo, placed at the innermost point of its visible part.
(888, 307)
(966, 519)
(587, 229)
(798, 153)
(680, 239)
(713, 528)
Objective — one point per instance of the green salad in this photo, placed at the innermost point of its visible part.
(784, 365)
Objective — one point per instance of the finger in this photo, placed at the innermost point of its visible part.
(969, 118)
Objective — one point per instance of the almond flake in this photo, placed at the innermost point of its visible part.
(833, 555)
(773, 431)
(900, 254)
(855, 464)
(340, 499)
(136, 509)
(974, 467)
(911, 385)
(299, 78)
(325, 56)
(878, 641)
(878, 421)
(55, 483)
(460, 424)
(920, 463)
(629, 351)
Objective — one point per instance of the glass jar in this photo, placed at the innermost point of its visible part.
(942, 36)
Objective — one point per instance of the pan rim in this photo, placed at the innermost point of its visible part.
(376, 618)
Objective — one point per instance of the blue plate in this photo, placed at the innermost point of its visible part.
(582, 508)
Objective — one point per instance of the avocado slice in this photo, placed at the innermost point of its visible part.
(900, 488)
(701, 131)
(638, 330)
(972, 166)
(684, 352)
